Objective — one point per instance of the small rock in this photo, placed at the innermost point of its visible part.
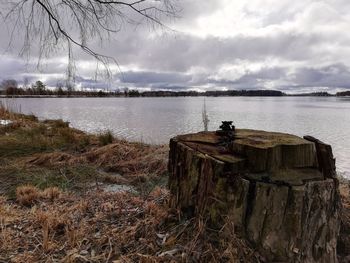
(169, 252)
(296, 250)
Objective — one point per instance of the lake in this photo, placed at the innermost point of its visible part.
(156, 120)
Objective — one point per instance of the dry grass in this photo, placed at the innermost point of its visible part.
(50, 153)
(105, 138)
(27, 195)
(26, 136)
(105, 227)
(73, 177)
(52, 193)
(120, 156)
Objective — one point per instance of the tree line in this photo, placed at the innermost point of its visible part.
(343, 93)
(10, 87)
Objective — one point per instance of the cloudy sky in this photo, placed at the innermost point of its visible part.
(293, 46)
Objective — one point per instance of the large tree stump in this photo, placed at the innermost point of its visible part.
(269, 184)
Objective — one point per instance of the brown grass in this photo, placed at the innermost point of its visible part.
(50, 153)
(105, 138)
(27, 195)
(51, 193)
(53, 143)
(105, 227)
(121, 156)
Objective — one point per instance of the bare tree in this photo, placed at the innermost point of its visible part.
(53, 24)
(9, 86)
(9, 83)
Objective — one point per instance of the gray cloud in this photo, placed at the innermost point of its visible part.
(337, 75)
(144, 78)
(242, 44)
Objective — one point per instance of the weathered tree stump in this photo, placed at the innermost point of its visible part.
(278, 189)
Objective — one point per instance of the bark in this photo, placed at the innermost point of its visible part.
(326, 161)
(269, 184)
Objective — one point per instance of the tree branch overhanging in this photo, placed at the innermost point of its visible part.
(52, 24)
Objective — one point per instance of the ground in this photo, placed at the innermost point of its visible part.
(61, 201)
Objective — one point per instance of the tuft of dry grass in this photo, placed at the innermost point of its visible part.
(51, 193)
(27, 195)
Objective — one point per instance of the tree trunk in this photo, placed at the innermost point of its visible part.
(269, 184)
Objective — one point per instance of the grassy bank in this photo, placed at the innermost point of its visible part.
(50, 153)
(55, 204)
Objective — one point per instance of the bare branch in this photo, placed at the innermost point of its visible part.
(53, 24)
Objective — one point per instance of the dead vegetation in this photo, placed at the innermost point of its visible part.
(50, 153)
(28, 195)
(55, 211)
(51, 226)
(118, 156)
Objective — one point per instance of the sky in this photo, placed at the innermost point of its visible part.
(293, 46)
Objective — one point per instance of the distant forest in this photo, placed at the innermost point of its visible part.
(344, 93)
(10, 88)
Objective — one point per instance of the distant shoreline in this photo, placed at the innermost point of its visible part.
(41, 91)
(172, 94)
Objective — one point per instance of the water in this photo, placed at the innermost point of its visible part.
(156, 120)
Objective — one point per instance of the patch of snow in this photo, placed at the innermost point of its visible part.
(5, 122)
(116, 188)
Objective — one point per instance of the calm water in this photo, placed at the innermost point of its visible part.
(155, 120)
